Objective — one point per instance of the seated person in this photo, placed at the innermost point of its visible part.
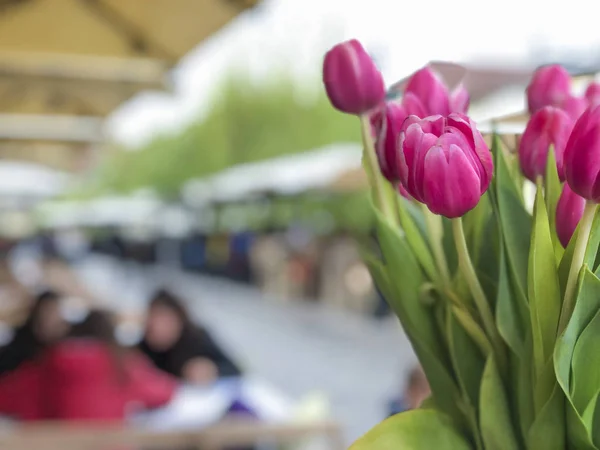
(181, 348)
(416, 391)
(43, 327)
(87, 376)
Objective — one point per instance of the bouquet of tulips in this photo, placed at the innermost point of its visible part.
(501, 303)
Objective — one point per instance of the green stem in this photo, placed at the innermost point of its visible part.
(435, 240)
(583, 236)
(466, 267)
(372, 167)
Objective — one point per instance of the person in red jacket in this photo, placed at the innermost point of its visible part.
(86, 377)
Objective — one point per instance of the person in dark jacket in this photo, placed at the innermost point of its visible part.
(43, 327)
(181, 348)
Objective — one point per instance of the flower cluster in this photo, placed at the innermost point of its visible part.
(569, 125)
(501, 310)
(425, 144)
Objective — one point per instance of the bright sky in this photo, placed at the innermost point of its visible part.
(403, 34)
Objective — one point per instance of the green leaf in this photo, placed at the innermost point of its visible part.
(511, 316)
(523, 378)
(578, 434)
(494, 411)
(515, 225)
(467, 359)
(415, 239)
(475, 224)
(552, 192)
(586, 307)
(420, 429)
(586, 365)
(544, 291)
(473, 329)
(548, 429)
(595, 422)
(401, 279)
(590, 253)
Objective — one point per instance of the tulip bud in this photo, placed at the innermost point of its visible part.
(592, 93)
(574, 106)
(444, 163)
(386, 144)
(352, 81)
(425, 85)
(569, 212)
(459, 100)
(582, 155)
(413, 105)
(549, 86)
(547, 127)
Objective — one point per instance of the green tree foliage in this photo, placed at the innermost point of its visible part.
(247, 122)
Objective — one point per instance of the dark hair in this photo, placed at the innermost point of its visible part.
(99, 325)
(169, 300)
(42, 299)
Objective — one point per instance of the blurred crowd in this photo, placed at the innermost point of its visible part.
(56, 370)
(60, 363)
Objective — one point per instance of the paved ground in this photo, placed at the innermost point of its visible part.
(300, 348)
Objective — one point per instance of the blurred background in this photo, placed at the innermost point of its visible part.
(175, 161)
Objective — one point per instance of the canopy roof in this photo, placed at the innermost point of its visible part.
(16, 127)
(159, 29)
(285, 175)
(30, 181)
(41, 83)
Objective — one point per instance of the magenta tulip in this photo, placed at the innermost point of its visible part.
(574, 106)
(592, 93)
(547, 127)
(549, 86)
(459, 100)
(582, 155)
(413, 105)
(444, 163)
(569, 212)
(386, 144)
(430, 90)
(352, 81)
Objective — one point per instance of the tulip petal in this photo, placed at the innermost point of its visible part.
(413, 144)
(482, 155)
(413, 105)
(584, 165)
(459, 100)
(387, 142)
(549, 86)
(451, 186)
(431, 90)
(582, 155)
(569, 211)
(547, 126)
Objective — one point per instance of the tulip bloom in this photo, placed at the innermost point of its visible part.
(569, 212)
(548, 126)
(353, 83)
(582, 156)
(549, 86)
(426, 94)
(444, 163)
(386, 144)
(459, 100)
(592, 93)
